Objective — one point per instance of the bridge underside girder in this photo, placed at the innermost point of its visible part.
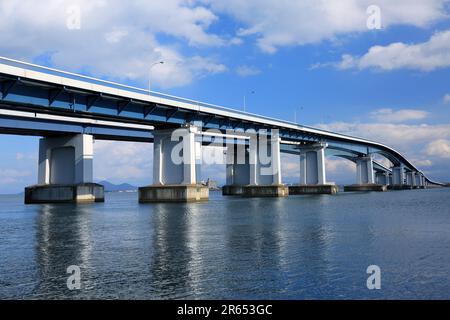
(65, 171)
(40, 96)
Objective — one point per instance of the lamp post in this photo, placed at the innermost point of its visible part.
(245, 100)
(295, 113)
(150, 76)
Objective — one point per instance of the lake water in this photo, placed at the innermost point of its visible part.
(302, 247)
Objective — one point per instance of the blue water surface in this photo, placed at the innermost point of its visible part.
(301, 247)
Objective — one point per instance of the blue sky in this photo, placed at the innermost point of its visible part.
(316, 59)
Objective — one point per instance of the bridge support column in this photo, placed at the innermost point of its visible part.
(264, 157)
(414, 180)
(364, 170)
(398, 178)
(175, 169)
(255, 170)
(411, 179)
(365, 177)
(238, 169)
(425, 182)
(382, 178)
(420, 181)
(65, 172)
(417, 181)
(312, 172)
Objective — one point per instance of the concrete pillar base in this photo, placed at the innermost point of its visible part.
(72, 193)
(233, 190)
(366, 187)
(313, 189)
(173, 193)
(266, 191)
(399, 187)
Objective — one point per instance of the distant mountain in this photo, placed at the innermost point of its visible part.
(111, 187)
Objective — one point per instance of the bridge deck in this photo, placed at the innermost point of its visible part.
(30, 88)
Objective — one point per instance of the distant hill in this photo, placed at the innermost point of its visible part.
(111, 187)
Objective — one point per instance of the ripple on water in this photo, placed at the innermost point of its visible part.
(313, 247)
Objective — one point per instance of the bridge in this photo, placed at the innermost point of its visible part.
(69, 111)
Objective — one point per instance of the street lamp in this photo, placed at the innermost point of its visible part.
(295, 113)
(150, 75)
(245, 100)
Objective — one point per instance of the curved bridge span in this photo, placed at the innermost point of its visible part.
(59, 106)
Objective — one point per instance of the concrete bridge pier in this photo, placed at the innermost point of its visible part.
(382, 178)
(312, 172)
(175, 169)
(399, 178)
(411, 179)
(415, 180)
(420, 181)
(238, 169)
(265, 167)
(365, 177)
(424, 182)
(255, 170)
(65, 172)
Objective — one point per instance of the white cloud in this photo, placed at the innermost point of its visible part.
(382, 160)
(423, 163)
(20, 156)
(119, 40)
(290, 165)
(341, 166)
(447, 98)
(439, 148)
(286, 23)
(236, 41)
(116, 39)
(427, 56)
(214, 172)
(425, 145)
(115, 36)
(400, 136)
(396, 116)
(123, 161)
(13, 173)
(247, 71)
(10, 176)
